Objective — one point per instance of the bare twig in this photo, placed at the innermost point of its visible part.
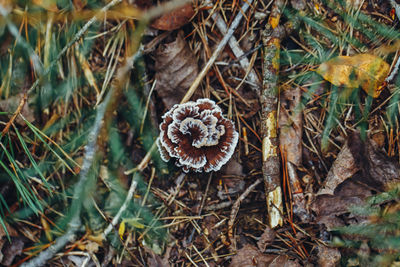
(220, 47)
(235, 210)
(127, 200)
(75, 223)
(21, 105)
(254, 82)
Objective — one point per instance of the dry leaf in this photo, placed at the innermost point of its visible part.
(11, 250)
(176, 68)
(154, 260)
(359, 168)
(328, 257)
(266, 238)
(363, 70)
(377, 169)
(290, 140)
(332, 211)
(250, 256)
(343, 168)
(291, 125)
(11, 104)
(175, 19)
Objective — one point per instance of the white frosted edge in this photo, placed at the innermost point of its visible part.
(169, 112)
(188, 123)
(173, 126)
(170, 150)
(181, 110)
(221, 129)
(229, 152)
(213, 138)
(191, 162)
(206, 100)
(163, 152)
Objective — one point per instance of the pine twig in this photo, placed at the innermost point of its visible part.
(269, 106)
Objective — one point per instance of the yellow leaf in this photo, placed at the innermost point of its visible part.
(121, 229)
(134, 222)
(363, 70)
(46, 228)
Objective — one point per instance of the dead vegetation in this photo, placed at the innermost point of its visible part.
(311, 87)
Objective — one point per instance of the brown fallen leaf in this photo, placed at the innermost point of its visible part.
(155, 260)
(363, 70)
(343, 168)
(11, 250)
(249, 255)
(360, 170)
(291, 125)
(330, 210)
(377, 169)
(176, 68)
(174, 19)
(266, 238)
(327, 256)
(290, 140)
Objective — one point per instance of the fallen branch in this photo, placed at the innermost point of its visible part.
(269, 106)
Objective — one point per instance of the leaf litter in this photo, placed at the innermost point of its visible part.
(319, 186)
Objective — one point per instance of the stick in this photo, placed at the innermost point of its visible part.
(254, 82)
(75, 223)
(235, 210)
(21, 105)
(269, 105)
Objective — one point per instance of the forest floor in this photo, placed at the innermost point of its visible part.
(311, 88)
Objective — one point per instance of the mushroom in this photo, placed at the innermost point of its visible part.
(197, 136)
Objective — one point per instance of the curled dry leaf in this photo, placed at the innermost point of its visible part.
(266, 238)
(291, 125)
(249, 255)
(290, 140)
(327, 256)
(377, 169)
(363, 70)
(174, 19)
(332, 210)
(359, 168)
(343, 168)
(176, 68)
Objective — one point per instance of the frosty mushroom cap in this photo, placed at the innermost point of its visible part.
(197, 136)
